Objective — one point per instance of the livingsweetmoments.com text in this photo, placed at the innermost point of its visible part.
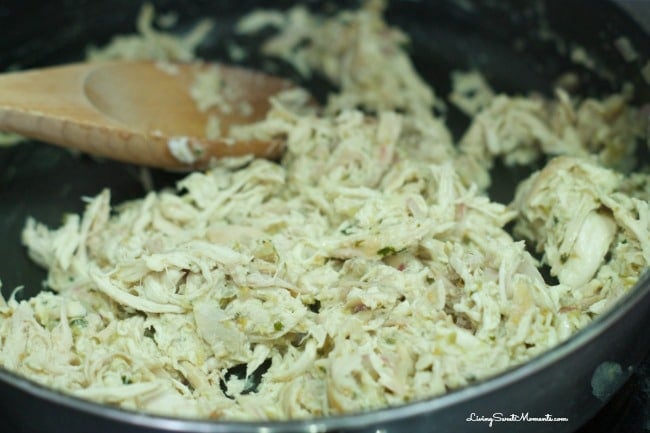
(513, 417)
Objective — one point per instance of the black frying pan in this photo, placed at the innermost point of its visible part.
(502, 39)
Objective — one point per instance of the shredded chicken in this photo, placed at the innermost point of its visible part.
(357, 51)
(520, 130)
(152, 44)
(365, 270)
(470, 92)
(577, 214)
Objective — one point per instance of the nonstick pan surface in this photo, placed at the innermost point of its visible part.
(508, 41)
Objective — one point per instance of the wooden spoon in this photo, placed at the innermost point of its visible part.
(137, 112)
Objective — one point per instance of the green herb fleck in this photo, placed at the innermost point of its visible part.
(126, 380)
(150, 332)
(79, 322)
(278, 326)
(564, 257)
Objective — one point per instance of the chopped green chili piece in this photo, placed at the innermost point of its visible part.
(386, 251)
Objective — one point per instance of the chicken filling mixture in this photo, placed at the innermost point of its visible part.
(368, 269)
